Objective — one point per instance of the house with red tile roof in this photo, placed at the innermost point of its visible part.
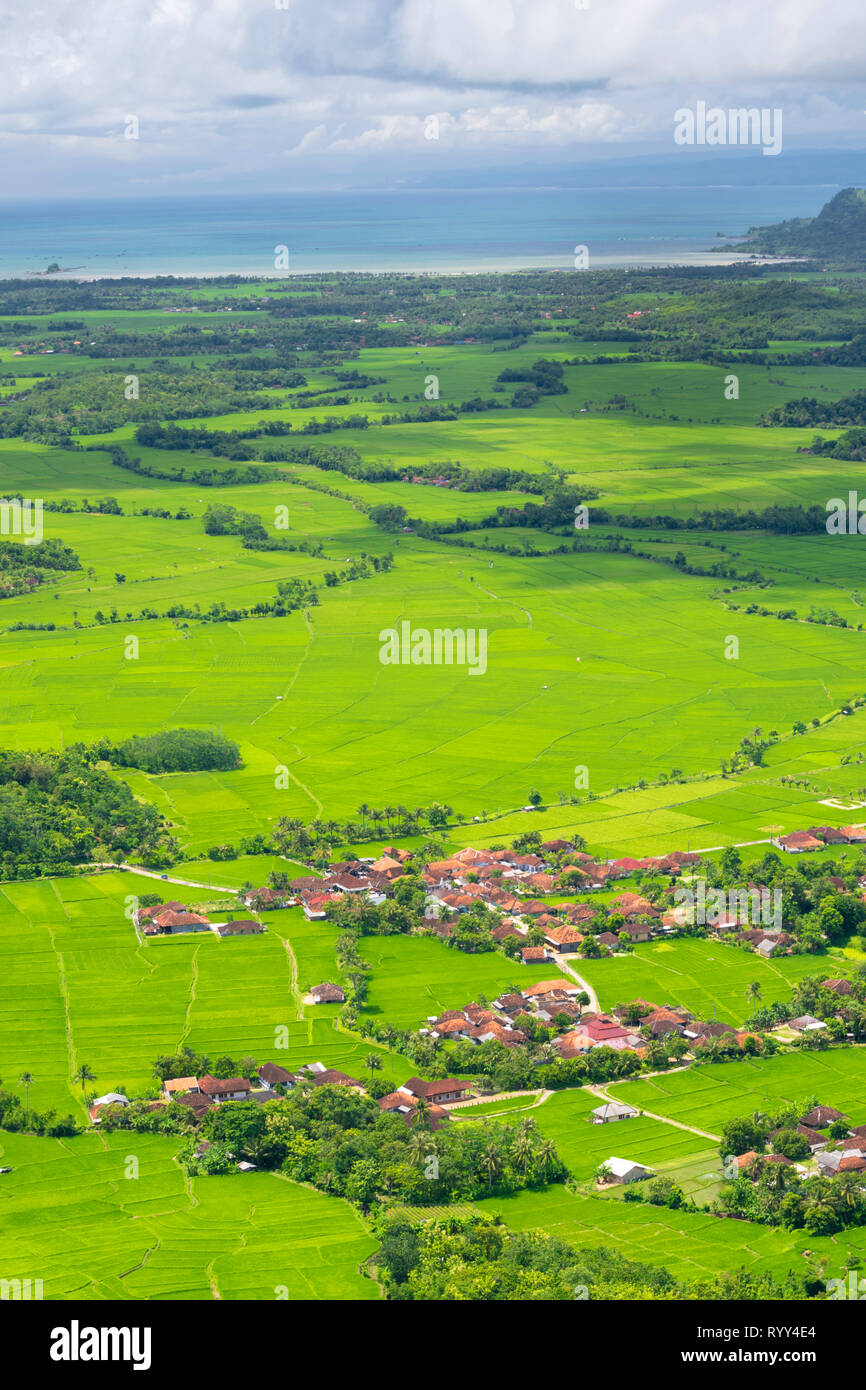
(223, 1089)
(799, 842)
(565, 939)
(442, 1092)
(327, 994)
(542, 987)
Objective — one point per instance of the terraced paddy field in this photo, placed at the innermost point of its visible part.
(707, 977)
(113, 1217)
(78, 986)
(692, 1246)
(708, 1096)
(692, 1160)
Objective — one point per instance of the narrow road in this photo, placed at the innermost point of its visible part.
(562, 962)
(166, 878)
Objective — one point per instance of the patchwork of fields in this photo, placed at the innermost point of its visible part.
(77, 986)
(579, 673)
(112, 1217)
(707, 977)
(610, 674)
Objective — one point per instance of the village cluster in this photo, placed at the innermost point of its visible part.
(199, 1094)
(559, 1013)
(834, 1146)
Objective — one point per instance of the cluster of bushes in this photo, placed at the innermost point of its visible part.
(20, 1119)
(24, 567)
(174, 750)
(543, 378)
(808, 410)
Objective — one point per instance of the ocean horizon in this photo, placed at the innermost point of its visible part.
(404, 230)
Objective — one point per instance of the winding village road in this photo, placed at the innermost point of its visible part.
(584, 984)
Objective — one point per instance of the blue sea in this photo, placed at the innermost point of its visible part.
(442, 230)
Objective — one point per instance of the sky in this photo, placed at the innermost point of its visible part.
(168, 97)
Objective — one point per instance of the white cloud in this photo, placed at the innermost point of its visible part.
(232, 85)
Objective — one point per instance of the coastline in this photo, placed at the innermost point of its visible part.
(490, 266)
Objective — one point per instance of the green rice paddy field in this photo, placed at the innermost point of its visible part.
(77, 986)
(690, 1245)
(707, 977)
(692, 1160)
(113, 1217)
(708, 1096)
(614, 663)
(580, 674)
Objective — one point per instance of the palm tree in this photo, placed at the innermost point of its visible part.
(492, 1162)
(419, 1147)
(547, 1154)
(847, 1187)
(754, 991)
(83, 1075)
(373, 1062)
(26, 1080)
(421, 1113)
(522, 1150)
(777, 1177)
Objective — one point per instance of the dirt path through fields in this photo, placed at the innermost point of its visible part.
(602, 1093)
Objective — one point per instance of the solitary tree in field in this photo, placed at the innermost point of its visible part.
(83, 1075)
(26, 1080)
(754, 991)
(373, 1061)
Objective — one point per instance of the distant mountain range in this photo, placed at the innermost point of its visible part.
(836, 235)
